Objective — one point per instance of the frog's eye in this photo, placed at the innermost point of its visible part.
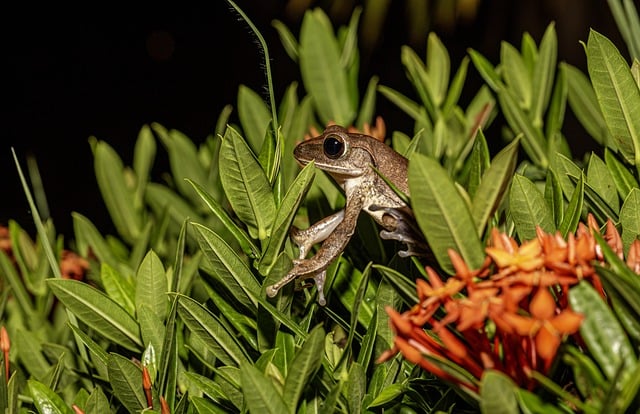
(333, 146)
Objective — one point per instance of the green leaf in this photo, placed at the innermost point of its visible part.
(622, 177)
(601, 180)
(438, 69)
(97, 403)
(89, 239)
(288, 40)
(356, 387)
(516, 74)
(119, 289)
(557, 107)
(152, 286)
(528, 208)
(117, 195)
(630, 218)
(574, 210)
(152, 327)
(601, 331)
(405, 104)
(455, 89)
(327, 83)
(553, 197)
(617, 93)
(533, 142)
(144, 154)
(587, 375)
(284, 216)
(306, 361)
(183, 159)
(543, 73)
(486, 69)
(417, 74)
(442, 214)
(260, 394)
(498, 394)
(254, 116)
(583, 102)
(46, 400)
(126, 379)
(208, 328)
(246, 185)
(240, 235)
(495, 182)
(228, 267)
(98, 311)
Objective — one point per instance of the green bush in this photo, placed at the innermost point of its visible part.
(170, 315)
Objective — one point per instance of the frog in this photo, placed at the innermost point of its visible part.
(358, 163)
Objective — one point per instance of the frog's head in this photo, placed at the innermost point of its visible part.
(342, 154)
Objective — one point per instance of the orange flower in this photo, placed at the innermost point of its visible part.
(545, 326)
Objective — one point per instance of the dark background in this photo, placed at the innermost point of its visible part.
(106, 71)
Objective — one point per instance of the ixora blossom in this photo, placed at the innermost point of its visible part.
(510, 315)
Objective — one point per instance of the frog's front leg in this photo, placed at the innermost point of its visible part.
(319, 231)
(334, 243)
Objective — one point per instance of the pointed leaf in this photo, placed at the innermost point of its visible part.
(254, 116)
(601, 180)
(118, 197)
(246, 185)
(284, 217)
(528, 208)
(601, 331)
(630, 218)
(617, 93)
(126, 379)
(494, 184)
(46, 400)
(307, 361)
(443, 216)
(543, 73)
(327, 83)
(583, 102)
(260, 395)
(622, 177)
(98, 311)
(229, 268)
(498, 394)
(574, 210)
(209, 329)
(119, 289)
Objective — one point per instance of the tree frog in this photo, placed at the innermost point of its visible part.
(350, 159)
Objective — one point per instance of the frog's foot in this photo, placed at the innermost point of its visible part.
(401, 226)
(318, 277)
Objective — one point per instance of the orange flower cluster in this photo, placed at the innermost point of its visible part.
(510, 315)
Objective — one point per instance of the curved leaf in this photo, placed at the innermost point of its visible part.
(528, 208)
(46, 400)
(284, 217)
(126, 379)
(326, 82)
(630, 218)
(118, 197)
(98, 311)
(495, 182)
(229, 268)
(213, 334)
(306, 362)
(254, 116)
(260, 394)
(601, 331)
(442, 214)
(152, 286)
(617, 93)
(246, 185)
(498, 394)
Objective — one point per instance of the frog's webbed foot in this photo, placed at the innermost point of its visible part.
(318, 277)
(401, 226)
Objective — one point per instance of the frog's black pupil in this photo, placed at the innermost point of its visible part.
(333, 147)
